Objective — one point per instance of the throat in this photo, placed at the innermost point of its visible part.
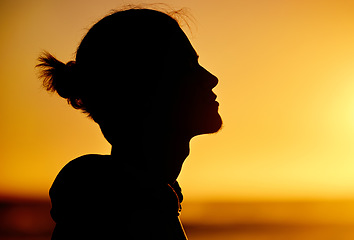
(151, 161)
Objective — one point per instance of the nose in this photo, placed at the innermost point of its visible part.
(210, 80)
(214, 80)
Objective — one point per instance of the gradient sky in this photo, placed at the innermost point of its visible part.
(286, 93)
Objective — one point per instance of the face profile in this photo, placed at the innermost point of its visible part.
(198, 107)
(201, 103)
(137, 75)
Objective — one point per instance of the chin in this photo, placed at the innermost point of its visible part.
(210, 124)
(215, 124)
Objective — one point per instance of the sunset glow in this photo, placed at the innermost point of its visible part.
(286, 94)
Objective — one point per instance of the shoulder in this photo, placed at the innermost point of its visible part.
(82, 183)
(85, 165)
(82, 172)
(86, 162)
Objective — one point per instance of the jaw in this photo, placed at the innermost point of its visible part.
(210, 123)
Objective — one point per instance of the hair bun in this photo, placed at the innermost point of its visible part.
(59, 77)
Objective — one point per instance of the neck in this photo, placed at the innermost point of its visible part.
(154, 159)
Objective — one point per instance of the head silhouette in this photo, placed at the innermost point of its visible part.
(136, 73)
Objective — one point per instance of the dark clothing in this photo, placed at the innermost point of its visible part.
(94, 198)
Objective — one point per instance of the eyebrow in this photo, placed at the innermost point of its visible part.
(196, 55)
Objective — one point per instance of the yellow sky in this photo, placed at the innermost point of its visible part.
(286, 72)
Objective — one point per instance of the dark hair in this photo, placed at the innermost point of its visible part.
(59, 77)
(123, 49)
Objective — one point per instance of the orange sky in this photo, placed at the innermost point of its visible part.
(286, 72)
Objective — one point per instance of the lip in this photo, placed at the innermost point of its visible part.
(212, 100)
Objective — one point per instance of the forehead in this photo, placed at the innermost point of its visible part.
(181, 46)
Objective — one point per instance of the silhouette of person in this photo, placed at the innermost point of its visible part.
(136, 75)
